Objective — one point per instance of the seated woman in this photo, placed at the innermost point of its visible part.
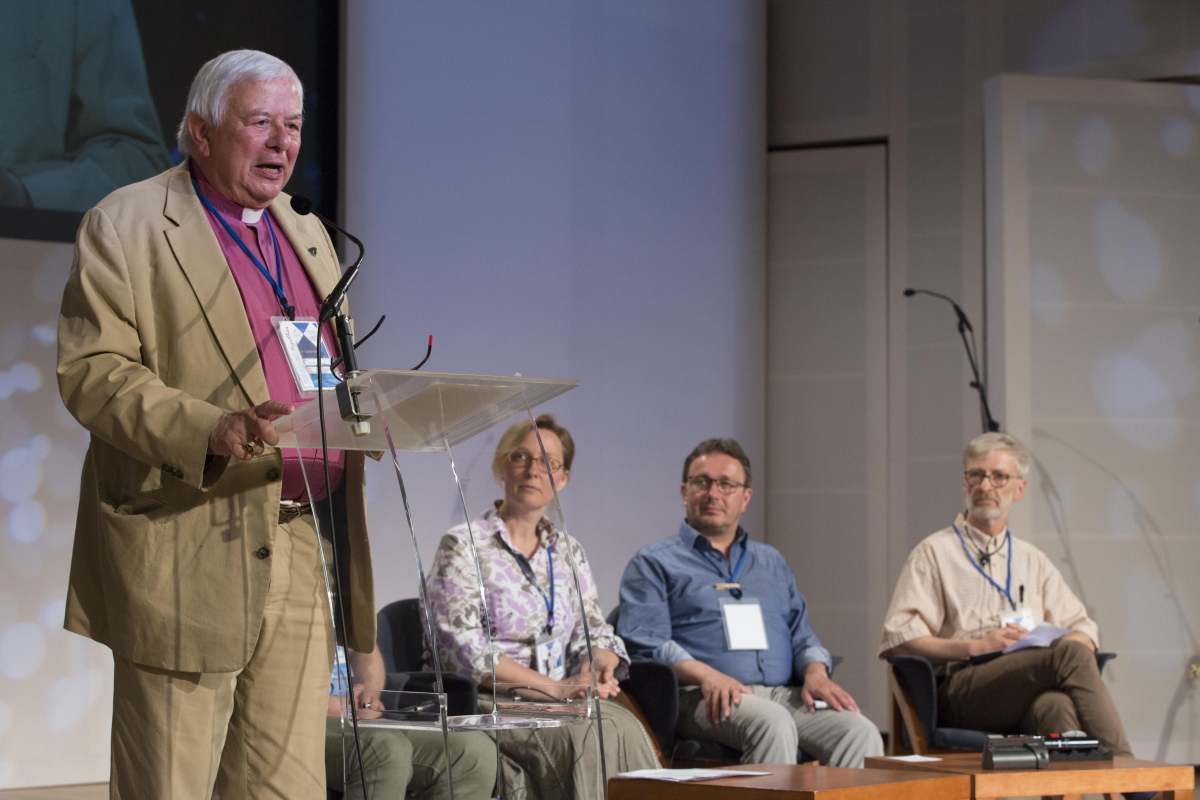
(531, 600)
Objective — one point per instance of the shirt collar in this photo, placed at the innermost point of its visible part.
(229, 209)
(695, 540)
(976, 537)
(547, 533)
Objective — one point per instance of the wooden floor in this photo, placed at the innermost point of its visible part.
(83, 791)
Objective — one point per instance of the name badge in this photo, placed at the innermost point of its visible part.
(549, 651)
(744, 629)
(299, 340)
(1023, 616)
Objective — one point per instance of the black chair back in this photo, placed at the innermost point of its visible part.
(401, 636)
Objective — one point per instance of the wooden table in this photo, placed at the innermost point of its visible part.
(805, 782)
(1059, 779)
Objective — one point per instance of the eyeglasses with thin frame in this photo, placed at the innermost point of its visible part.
(702, 483)
(975, 477)
(522, 460)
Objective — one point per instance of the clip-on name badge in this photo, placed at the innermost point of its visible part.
(299, 340)
(549, 651)
(1022, 616)
(744, 629)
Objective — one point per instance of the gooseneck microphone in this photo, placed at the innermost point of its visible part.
(964, 326)
(303, 206)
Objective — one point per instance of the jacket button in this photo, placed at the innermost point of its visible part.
(272, 474)
(262, 552)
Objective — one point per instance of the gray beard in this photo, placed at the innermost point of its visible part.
(986, 513)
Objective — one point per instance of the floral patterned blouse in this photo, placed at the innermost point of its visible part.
(517, 609)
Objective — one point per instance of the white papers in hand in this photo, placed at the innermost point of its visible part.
(685, 775)
(913, 758)
(1041, 636)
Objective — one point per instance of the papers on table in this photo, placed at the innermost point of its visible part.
(1041, 636)
(685, 775)
(913, 758)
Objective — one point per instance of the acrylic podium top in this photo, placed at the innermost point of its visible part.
(425, 411)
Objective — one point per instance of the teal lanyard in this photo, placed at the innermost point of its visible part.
(277, 285)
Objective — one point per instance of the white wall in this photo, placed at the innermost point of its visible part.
(564, 190)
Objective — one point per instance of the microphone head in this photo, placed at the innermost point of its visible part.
(907, 292)
(301, 205)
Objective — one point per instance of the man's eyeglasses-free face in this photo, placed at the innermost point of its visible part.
(702, 483)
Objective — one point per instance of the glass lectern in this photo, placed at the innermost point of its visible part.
(382, 412)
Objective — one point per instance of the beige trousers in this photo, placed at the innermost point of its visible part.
(769, 725)
(256, 733)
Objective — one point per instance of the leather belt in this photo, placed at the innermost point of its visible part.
(290, 510)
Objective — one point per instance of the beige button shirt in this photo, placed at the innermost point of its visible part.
(941, 593)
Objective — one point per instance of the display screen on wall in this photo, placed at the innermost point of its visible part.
(93, 94)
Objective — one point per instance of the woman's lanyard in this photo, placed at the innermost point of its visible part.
(732, 585)
(276, 284)
(523, 563)
(1007, 590)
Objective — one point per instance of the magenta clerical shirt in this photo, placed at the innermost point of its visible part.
(262, 304)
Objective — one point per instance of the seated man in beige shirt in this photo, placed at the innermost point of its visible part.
(957, 597)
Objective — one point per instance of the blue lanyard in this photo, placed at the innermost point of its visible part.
(523, 563)
(733, 578)
(277, 285)
(1007, 590)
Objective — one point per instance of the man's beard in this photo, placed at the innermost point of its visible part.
(987, 513)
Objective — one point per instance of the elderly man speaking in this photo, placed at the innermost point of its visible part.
(196, 559)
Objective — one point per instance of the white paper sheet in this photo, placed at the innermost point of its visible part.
(744, 626)
(1041, 636)
(914, 758)
(685, 775)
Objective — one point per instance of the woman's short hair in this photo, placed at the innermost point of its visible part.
(729, 447)
(987, 443)
(209, 95)
(516, 434)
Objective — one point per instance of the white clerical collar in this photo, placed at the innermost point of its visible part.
(251, 215)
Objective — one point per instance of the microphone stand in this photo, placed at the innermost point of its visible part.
(345, 335)
(964, 324)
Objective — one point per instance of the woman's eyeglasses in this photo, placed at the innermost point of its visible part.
(522, 460)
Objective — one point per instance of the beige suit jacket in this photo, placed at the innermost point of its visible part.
(153, 346)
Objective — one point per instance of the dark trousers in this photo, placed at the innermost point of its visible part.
(1039, 690)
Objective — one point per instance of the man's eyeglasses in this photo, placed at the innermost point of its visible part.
(522, 460)
(702, 483)
(975, 477)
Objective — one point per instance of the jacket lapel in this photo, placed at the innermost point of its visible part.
(203, 263)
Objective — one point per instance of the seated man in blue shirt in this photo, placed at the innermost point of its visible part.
(752, 685)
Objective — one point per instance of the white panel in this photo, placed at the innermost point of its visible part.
(1094, 293)
(826, 487)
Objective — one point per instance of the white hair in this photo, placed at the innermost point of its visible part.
(209, 95)
(988, 443)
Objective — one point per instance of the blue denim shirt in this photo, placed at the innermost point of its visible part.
(671, 612)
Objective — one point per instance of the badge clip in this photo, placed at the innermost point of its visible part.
(722, 586)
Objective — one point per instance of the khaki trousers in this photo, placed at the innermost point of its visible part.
(252, 734)
(768, 726)
(1038, 690)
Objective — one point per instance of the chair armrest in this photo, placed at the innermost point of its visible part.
(653, 685)
(462, 694)
(1102, 659)
(915, 674)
